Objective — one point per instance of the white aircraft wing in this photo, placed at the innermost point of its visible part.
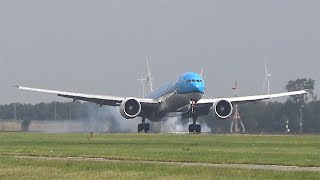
(99, 99)
(244, 99)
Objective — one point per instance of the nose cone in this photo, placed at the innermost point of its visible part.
(191, 83)
(197, 87)
(194, 87)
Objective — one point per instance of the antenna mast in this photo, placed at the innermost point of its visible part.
(236, 119)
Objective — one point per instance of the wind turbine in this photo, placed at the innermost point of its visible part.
(201, 72)
(143, 83)
(267, 79)
(149, 77)
(146, 81)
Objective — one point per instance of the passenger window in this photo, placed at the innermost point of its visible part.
(198, 80)
(193, 80)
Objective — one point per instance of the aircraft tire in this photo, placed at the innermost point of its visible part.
(191, 128)
(140, 128)
(198, 128)
(146, 127)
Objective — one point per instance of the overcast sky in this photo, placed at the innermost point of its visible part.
(98, 46)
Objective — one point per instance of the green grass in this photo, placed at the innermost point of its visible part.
(21, 168)
(256, 149)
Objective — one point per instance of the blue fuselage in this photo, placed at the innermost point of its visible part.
(176, 96)
(187, 83)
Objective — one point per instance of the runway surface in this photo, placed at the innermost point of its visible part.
(239, 166)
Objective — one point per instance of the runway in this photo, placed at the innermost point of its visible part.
(238, 166)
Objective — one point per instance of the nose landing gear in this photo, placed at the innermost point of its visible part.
(194, 127)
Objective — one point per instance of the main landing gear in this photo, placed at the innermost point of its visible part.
(194, 127)
(143, 126)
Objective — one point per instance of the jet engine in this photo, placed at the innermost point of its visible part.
(223, 109)
(130, 108)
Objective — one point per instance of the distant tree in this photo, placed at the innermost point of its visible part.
(301, 84)
(301, 105)
(251, 114)
(311, 117)
(257, 117)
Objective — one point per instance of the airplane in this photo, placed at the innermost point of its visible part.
(183, 96)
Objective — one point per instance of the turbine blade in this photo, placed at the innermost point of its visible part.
(265, 68)
(148, 67)
(149, 78)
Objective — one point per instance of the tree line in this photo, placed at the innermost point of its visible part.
(265, 116)
(271, 117)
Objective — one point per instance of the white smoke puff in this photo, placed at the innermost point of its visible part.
(125, 125)
(173, 124)
(205, 128)
(112, 121)
(110, 117)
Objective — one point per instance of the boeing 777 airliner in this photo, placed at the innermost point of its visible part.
(183, 96)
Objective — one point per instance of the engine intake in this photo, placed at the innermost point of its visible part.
(130, 108)
(223, 109)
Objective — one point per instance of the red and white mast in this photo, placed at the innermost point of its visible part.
(236, 119)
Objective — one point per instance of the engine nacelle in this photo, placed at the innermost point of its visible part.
(130, 108)
(223, 109)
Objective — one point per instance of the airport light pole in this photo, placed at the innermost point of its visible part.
(287, 127)
(15, 111)
(301, 120)
(55, 110)
(70, 111)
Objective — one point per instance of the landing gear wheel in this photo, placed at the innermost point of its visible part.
(191, 128)
(198, 128)
(146, 127)
(140, 127)
(143, 126)
(195, 128)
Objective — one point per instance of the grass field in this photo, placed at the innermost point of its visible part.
(245, 149)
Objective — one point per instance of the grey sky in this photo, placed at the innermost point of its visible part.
(98, 46)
